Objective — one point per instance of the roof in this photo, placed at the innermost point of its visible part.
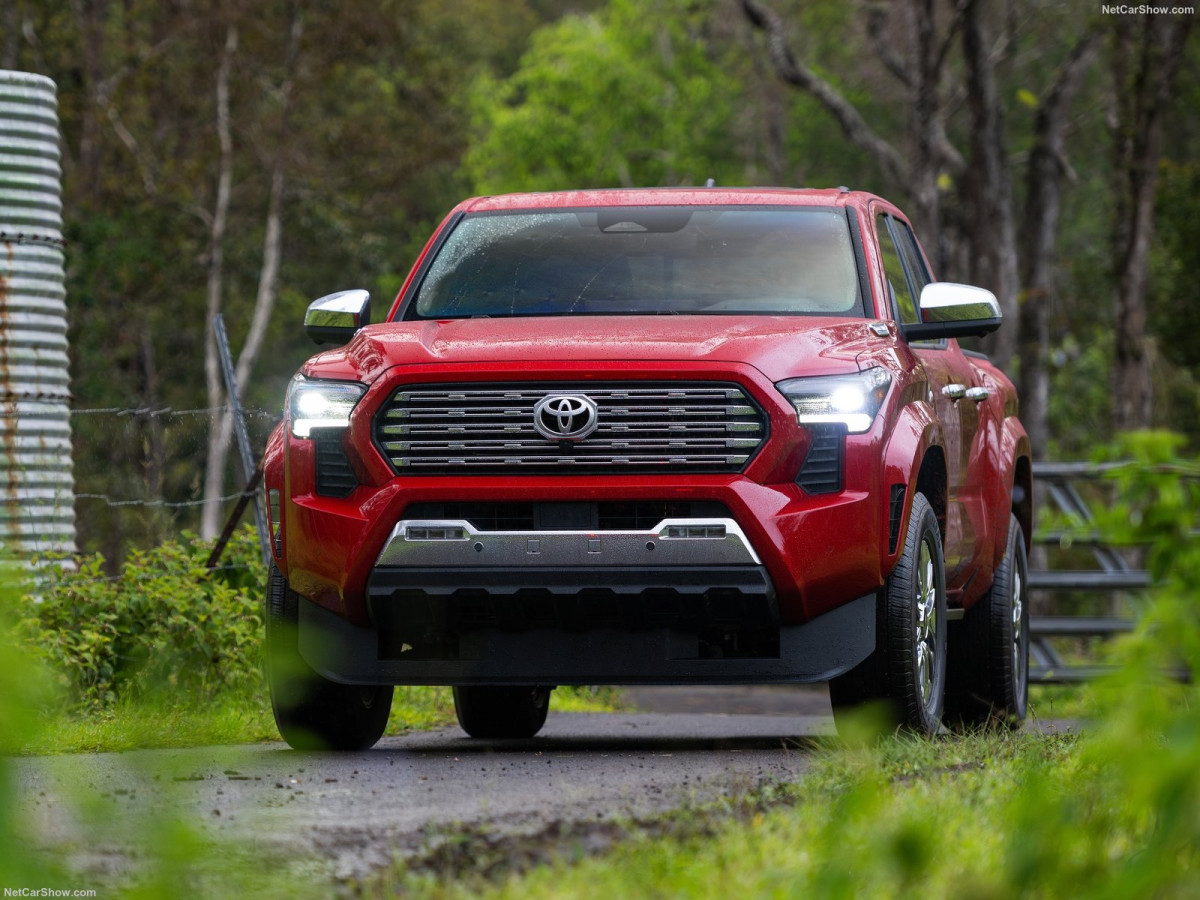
(677, 196)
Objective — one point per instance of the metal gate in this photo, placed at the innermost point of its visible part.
(1057, 488)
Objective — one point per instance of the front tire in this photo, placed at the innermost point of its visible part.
(501, 712)
(311, 712)
(989, 648)
(905, 676)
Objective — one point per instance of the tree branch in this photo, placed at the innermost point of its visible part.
(762, 17)
(960, 9)
(877, 24)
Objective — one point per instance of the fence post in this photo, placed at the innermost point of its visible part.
(243, 439)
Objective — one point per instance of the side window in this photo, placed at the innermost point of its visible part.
(918, 274)
(893, 271)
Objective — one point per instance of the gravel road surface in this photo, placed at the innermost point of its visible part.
(353, 813)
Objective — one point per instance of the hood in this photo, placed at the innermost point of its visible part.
(778, 346)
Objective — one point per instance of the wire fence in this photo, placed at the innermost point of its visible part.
(139, 473)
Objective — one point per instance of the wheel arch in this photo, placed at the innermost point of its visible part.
(1016, 479)
(915, 460)
(1022, 498)
(932, 482)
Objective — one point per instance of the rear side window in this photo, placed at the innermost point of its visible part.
(644, 260)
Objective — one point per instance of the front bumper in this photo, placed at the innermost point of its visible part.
(819, 552)
(818, 650)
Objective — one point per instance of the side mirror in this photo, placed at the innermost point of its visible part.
(334, 318)
(954, 310)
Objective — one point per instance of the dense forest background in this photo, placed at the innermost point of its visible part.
(248, 157)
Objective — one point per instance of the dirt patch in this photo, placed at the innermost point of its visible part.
(475, 854)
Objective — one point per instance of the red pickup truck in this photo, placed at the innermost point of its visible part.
(667, 436)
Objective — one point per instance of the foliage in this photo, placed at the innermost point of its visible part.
(624, 97)
(23, 690)
(1175, 295)
(165, 625)
(638, 94)
(174, 858)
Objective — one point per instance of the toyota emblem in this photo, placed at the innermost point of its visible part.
(565, 417)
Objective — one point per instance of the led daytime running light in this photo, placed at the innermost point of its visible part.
(851, 400)
(321, 404)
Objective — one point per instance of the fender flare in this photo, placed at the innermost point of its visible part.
(1012, 492)
(915, 432)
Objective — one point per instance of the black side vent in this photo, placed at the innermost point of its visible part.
(822, 469)
(895, 514)
(335, 477)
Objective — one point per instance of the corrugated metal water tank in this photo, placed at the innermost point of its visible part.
(36, 484)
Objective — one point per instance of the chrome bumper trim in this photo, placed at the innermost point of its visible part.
(672, 542)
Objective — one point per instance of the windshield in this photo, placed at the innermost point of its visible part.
(643, 260)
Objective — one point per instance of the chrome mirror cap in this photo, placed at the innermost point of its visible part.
(954, 310)
(334, 318)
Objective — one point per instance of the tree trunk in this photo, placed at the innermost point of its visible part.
(924, 110)
(214, 474)
(90, 14)
(991, 217)
(10, 26)
(264, 304)
(1146, 56)
(1043, 192)
(268, 276)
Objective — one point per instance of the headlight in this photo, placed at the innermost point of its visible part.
(321, 404)
(850, 400)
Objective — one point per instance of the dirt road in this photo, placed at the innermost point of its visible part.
(349, 814)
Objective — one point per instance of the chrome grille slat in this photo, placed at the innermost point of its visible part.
(688, 426)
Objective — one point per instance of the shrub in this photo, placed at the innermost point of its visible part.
(165, 624)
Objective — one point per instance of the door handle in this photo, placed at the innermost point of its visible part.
(977, 394)
(954, 391)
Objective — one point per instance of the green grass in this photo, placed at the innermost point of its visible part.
(130, 725)
(1063, 701)
(242, 719)
(911, 817)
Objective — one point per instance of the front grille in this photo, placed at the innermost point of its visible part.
(642, 427)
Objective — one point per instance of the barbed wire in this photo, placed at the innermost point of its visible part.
(150, 412)
(167, 504)
(20, 237)
(143, 413)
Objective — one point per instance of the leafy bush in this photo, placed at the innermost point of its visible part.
(165, 624)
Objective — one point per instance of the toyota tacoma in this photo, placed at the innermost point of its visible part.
(663, 436)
